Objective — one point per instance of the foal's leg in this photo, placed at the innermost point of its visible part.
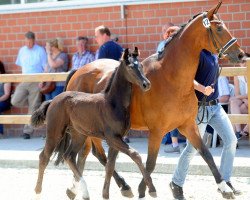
(110, 166)
(84, 144)
(81, 184)
(99, 153)
(154, 142)
(116, 142)
(44, 157)
(190, 130)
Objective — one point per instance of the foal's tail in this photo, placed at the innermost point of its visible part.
(72, 72)
(38, 117)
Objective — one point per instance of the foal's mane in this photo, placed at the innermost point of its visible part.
(109, 83)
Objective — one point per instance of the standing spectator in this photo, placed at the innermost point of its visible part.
(82, 56)
(31, 59)
(166, 33)
(57, 61)
(215, 116)
(5, 90)
(239, 103)
(107, 47)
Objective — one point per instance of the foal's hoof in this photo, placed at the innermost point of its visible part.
(153, 194)
(70, 194)
(127, 193)
(228, 195)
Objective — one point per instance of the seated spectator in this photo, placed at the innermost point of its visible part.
(82, 56)
(239, 103)
(57, 61)
(31, 59)
(5, 90)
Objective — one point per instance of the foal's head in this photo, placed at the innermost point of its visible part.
(133, 69)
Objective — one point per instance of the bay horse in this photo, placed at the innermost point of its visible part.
(104, 115)
(171, 103)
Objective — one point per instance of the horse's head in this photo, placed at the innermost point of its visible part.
(220, 39)
(133, 69)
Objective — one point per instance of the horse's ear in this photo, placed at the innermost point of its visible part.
(214, 10)
(136, 52)
(125, 54)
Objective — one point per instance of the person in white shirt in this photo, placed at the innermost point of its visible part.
(239, 103)
(31, 59)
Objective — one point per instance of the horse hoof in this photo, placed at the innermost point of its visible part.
(70, 194)
(153, 194)
(228, 195)
(127, 193)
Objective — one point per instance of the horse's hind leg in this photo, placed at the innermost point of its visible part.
(99, 153)
(190, 130)
(117, 143)
(110, 166)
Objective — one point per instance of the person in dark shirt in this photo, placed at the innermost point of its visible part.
(205, 84)
(107, 47)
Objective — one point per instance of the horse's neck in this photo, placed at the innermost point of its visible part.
(182, 56)
(119, 93)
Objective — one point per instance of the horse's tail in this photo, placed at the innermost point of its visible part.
(72, 72)
(38, 117)
(64, 148)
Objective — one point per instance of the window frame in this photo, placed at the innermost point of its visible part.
(76, 4)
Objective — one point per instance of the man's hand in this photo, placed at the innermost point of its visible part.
(208, 90)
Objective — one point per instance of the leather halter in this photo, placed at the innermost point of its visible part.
(221, 51)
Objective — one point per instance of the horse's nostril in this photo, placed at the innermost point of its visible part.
(241, 55)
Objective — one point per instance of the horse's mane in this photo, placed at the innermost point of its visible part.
(108, 84)
(170, 39)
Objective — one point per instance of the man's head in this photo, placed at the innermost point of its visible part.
(164, 30)
(81, 44)
(102, 35)
(30, 39)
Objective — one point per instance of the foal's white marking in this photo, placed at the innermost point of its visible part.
(37, 196)
(82, 189)
(73, 188)
(224, 187)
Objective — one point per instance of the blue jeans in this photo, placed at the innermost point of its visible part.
(218, 119)
(58, 90)
(4, 105)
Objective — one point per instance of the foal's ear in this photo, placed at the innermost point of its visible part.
(136, 52)
(214, 10)
(125, 54)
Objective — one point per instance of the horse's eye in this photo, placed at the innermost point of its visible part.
(219, 28)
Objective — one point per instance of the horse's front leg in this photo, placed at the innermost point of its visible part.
(154, 142)
(191, 132)
(110, 166)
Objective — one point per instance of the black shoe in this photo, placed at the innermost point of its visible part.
(236, 192)
(176, 191)
(26, 136)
